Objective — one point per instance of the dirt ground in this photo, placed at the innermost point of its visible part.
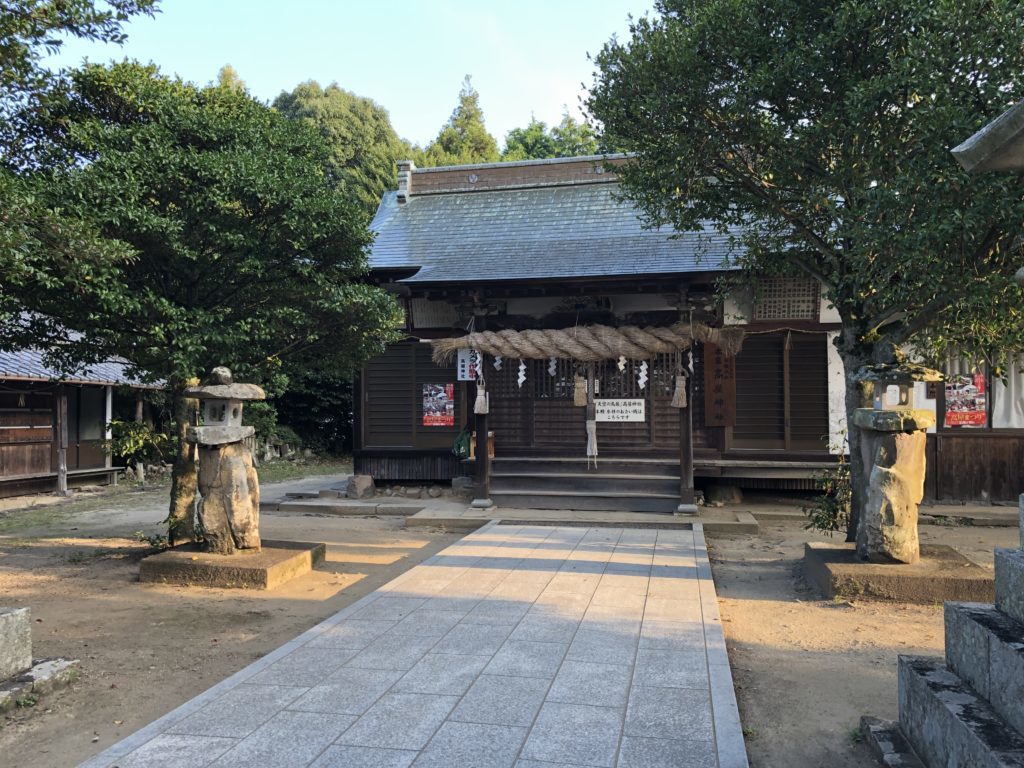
(806, 669)
(147, 648)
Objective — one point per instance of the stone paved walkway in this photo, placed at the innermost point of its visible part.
(519, 646)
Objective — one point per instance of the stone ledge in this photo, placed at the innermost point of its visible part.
(985, 649)
(948, 723)
(1009, 597)
(45, 676)
(887, 742)
(273, 565)
(942, 574)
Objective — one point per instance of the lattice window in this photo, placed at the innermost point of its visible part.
(783, 298)
(433, 314)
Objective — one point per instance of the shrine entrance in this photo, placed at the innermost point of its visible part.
(634, 411)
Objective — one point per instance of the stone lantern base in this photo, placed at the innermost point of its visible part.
(893, 451)
(229, 511)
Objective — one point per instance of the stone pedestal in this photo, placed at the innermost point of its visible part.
(229, 510)
(893, 452)
(968, 708)
(15, 642)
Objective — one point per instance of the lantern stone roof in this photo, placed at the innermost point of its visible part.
(529, 220)
(226, 392)
(997, 146)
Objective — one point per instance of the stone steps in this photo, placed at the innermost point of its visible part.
(985, 649)
(948, 723)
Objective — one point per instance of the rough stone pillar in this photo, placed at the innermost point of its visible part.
(893, 452)
(229, 510)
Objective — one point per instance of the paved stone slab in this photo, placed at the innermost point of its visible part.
(519, 646)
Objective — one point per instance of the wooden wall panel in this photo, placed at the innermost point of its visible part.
(977, 467)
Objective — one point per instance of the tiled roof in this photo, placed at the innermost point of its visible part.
(28, 364)
(575, 230)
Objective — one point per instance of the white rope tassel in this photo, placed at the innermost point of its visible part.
(591, 442)
(679, 396)
(482, 406)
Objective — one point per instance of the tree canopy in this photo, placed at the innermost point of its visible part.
(464, 138)
(230, 247)
(825, 130)
(536, 141)
(363, 148)
(28, 30)
(228, 77)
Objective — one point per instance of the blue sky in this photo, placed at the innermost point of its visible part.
(410, 56)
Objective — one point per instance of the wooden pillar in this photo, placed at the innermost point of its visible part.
(687, 505)
(140, 415)
(62, 442)
(483, 455)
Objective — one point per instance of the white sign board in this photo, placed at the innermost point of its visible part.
(467, 365)
(609, 409)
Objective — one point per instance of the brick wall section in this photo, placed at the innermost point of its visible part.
(467, 178)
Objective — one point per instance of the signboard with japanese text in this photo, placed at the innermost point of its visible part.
(438, 405)
(719, 387)
(467, 364)
(965, 401)
(608, 409)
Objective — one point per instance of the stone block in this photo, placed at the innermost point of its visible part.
(967, 644)
(1020, 518)
(888, 744)
(948, 723)
(360, 487)
(15, 642)
(941, 574)
(48, 675)
(1010, 582)
(985, 648)
(267, 568)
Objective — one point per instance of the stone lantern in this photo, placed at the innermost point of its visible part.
(229, 506)
(892, 448)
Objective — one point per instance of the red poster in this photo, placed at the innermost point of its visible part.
(438, 405)
(965, 401)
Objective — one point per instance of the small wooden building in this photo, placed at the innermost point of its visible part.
(36, 405)
(549, 244)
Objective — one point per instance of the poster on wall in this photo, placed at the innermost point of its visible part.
(965, 400)
(438, 405)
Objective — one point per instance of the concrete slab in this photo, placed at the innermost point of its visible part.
(276, 563)
(520, 645)
(942, 574)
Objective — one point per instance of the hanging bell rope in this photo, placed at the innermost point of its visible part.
(579, 391)
(589, 343)
(482, 405)
(679, 395)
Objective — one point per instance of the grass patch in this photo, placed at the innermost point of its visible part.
(280, 470)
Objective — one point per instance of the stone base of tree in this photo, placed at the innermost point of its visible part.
(269, 567)
(941, 574)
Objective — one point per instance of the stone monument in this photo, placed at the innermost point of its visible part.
(229, 508)
(892, 446)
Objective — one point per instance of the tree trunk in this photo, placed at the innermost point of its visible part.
(181, 518)
(854, 399)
